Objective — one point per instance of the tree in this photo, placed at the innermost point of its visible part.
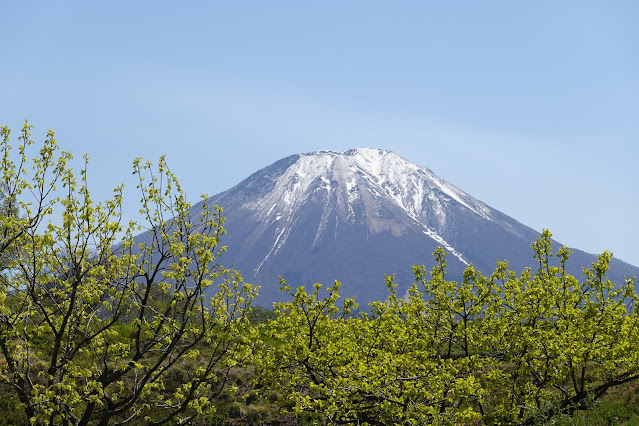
(100, 327)
(503, 349)
(565, 341)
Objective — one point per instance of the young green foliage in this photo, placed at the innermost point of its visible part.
(504, 349)
(379, 368)
(565, 342)
(94, 324)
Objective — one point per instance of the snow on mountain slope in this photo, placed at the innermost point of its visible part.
(356, 215)
(339, 179)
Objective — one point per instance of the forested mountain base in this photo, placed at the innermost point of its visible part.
(510, 348)
(247, 406)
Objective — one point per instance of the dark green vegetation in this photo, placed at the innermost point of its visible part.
(94, 332)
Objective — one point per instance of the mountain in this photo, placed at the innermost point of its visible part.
(356, 215)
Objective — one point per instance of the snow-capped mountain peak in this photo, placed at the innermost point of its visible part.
(356, 215)
(351, 185)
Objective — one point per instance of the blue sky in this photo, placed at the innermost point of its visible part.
(532, 107)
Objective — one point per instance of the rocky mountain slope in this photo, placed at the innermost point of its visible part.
(356, 215)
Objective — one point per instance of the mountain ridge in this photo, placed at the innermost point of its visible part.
(358, 214)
